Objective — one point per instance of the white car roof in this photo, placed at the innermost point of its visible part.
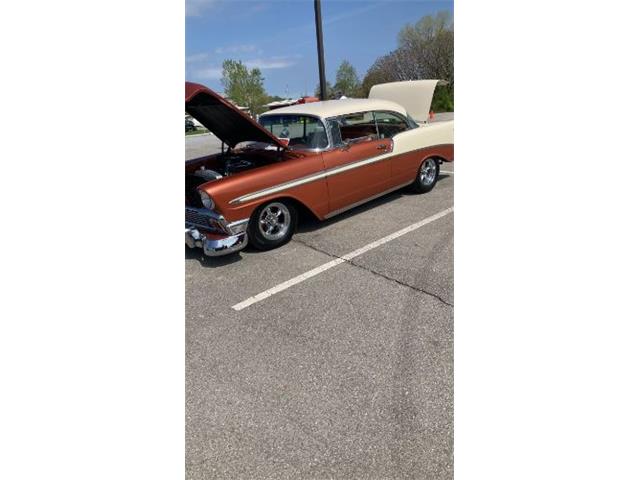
(334, 108)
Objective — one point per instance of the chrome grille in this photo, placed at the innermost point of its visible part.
(196, 218)
(199, 218)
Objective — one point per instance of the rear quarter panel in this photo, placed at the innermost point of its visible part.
(410, 148)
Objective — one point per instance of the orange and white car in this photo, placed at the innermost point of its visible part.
(322, 157)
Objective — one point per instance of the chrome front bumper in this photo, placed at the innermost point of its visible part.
(210, 231)
(214, 245)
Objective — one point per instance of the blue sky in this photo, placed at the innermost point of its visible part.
(278, 36)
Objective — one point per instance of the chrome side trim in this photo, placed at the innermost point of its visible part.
(358, 163)
(310, 178)
(324, 174)
(361, 202)
(278, 188)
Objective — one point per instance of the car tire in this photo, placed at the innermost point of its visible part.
(272, 224)
(427, 176)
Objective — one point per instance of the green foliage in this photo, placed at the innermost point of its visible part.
(425, 50)
(197, 131)
(330, 91)
(347, 82)
(442, 99)
(244, 87)
(382, 71)
(425, 30)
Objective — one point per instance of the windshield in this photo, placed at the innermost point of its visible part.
(302, 131)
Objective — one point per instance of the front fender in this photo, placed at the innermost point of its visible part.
(237, 196)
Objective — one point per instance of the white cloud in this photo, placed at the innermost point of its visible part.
(197, 57)
(195, 8)
(270, 63)
(213, 73)
(237, 49)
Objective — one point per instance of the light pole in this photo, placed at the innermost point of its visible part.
(323, 82)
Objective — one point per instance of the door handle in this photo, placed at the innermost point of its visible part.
(382, 146)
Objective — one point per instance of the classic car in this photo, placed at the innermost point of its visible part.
(322, 158)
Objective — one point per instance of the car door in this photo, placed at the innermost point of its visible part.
(389, 125)
(357, 167)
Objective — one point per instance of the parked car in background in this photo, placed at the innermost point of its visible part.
(322, 158)
(189, 126)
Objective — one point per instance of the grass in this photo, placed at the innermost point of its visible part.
(197, 132)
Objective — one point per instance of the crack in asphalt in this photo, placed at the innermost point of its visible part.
(367, 269)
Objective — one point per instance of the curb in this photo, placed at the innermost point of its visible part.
(197, 135)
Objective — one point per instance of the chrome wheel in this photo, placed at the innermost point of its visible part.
(274, 221)
(428, 171)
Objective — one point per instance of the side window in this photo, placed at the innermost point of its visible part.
(358, 126)
(334, 131)
(390, 124)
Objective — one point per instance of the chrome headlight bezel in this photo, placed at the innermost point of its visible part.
(207, 201)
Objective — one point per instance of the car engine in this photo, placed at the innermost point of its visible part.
(235, 164)
(227, 166)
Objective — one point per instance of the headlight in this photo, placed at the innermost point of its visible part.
(206, 200)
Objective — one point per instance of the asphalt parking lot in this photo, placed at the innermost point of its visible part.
(347, 374)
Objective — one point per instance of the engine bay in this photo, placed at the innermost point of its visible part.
(216, 168)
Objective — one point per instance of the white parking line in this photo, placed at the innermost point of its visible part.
(326, 266)
(446, 171)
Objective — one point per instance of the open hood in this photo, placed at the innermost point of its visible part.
(224, 119)
(414, 95)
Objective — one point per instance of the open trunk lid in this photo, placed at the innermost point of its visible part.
(414, 95)
(224, 119)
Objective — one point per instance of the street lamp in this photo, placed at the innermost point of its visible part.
(323, 82)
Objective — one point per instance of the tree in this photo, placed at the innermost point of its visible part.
(430, 44)
(425, 50)
(382, 71)
(425, 30)
(347, 82)
(330, 92)
(244, 87)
